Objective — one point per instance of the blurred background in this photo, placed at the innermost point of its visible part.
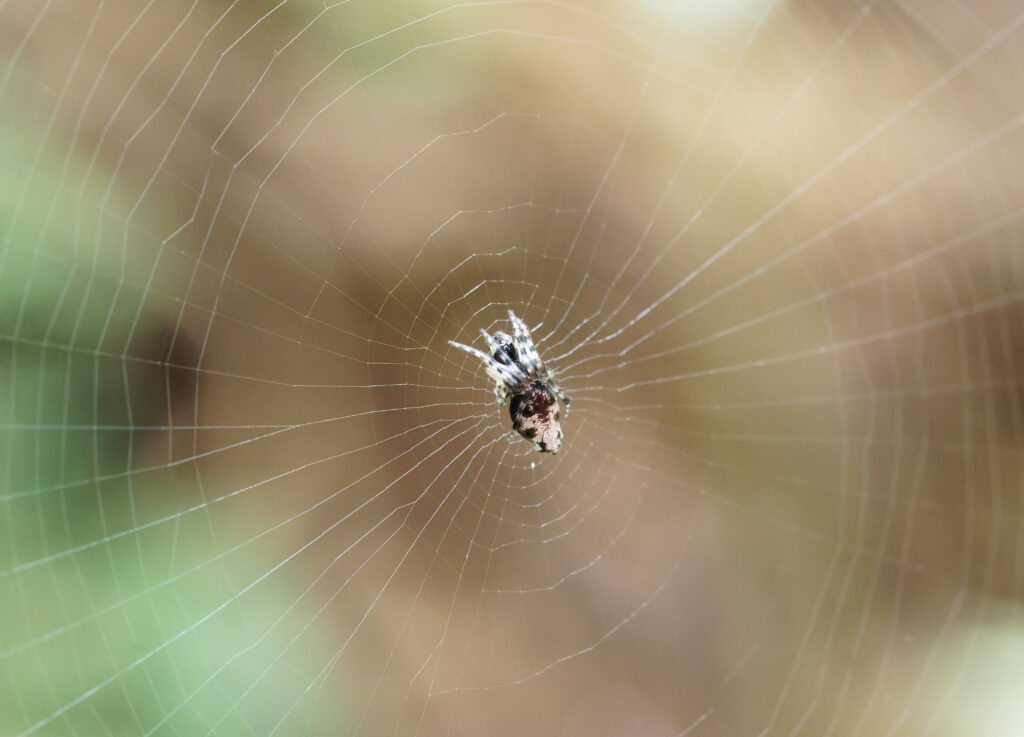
(772, 249)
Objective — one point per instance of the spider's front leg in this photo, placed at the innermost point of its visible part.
(507, 377)
(528, 356)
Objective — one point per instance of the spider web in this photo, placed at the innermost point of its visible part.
(771, 250)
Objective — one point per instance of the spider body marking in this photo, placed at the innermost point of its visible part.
(525, 384)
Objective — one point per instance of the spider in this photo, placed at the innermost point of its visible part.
(522, 381)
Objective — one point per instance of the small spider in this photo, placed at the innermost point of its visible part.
(525, 384)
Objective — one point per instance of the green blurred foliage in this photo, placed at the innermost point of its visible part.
(113, 615)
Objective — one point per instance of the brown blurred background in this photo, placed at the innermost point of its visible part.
(772, 249)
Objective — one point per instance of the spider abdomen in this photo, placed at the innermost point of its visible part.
(535, 416)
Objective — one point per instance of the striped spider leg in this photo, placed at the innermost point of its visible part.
(507, 375)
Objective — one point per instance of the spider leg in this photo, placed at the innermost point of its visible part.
(528, 355)
(502, 347)
(492, 343)
(509, 378)
(561, 395)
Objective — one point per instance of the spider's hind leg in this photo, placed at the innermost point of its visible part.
(566, 401)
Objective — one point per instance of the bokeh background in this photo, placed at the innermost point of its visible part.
(773, 250)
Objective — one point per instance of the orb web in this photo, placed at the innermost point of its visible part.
(770, 249)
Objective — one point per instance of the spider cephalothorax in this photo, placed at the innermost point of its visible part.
(522, 381)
